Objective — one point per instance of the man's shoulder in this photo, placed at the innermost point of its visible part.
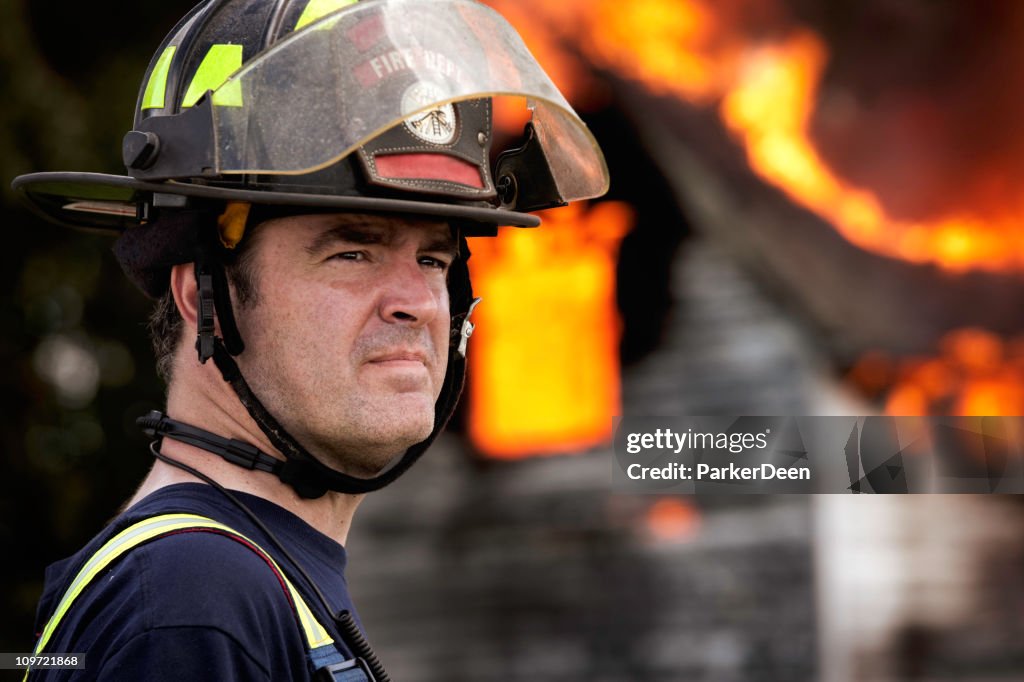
(195, 578)
(203, 577)
(190, 571)
(208, 589)
(197, 601)
(194, 575)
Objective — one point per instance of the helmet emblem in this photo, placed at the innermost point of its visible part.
(436, 125)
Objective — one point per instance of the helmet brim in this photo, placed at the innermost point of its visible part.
(111, 203)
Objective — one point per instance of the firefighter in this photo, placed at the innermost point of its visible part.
(302, 178)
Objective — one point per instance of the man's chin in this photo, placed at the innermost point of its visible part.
(408, 414)
(384, 443)
(375, 459)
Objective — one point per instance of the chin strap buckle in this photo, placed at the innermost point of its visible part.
(467, 327)
(205, 312)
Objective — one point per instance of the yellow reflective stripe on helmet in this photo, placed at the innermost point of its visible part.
(318, 8)
(316, 634)
(156, 88)
(217, 66)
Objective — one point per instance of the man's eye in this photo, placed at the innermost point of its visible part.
(434, 262)
(350, 255)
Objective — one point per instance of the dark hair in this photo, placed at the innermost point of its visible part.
(166, 326)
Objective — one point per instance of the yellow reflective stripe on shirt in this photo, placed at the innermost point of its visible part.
(319, 8)
(316, 634)
(217, 66)
(156, 88)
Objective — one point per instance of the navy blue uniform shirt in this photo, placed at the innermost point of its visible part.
(195, 606)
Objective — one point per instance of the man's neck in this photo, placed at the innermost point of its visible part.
(330, 514)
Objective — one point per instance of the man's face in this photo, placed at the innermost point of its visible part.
(347, 339)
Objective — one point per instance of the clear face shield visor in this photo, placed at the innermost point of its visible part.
(321, 93)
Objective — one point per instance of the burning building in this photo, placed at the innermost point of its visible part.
(816, 208)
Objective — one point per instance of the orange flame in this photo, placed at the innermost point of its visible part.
(769, 108)
(763, 73)
(672, 520)
(765, 84)
(543, 361)
(976, 374)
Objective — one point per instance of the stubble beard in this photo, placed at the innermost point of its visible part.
(348, 428)
(381, 436)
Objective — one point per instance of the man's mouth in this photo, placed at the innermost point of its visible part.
(399, 357)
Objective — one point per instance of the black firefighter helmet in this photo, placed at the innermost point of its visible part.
(255, 108)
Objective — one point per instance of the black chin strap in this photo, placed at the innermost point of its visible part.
(158, 425)
(213, 304)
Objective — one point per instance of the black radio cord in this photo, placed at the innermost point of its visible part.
(344, 620)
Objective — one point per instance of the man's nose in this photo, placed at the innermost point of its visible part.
(409, 296)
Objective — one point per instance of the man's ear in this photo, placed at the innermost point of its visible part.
(183, 288)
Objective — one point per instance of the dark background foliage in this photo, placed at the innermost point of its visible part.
(69, 76)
